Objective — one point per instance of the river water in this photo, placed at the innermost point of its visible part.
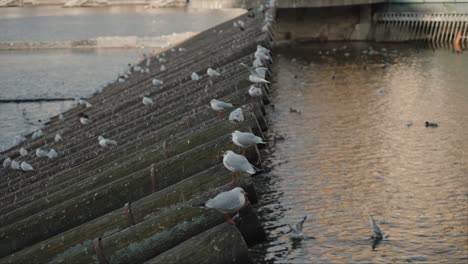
(355, 144)
(68, 73)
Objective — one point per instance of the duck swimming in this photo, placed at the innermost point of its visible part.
(429, 124)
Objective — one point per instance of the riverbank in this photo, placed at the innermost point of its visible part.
(161, 42)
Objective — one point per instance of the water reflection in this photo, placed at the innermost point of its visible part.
(350, 152)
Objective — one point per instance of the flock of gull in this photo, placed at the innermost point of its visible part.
(227, 202)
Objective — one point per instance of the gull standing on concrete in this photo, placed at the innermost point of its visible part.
(37, 134)
(61, 118)
(58, 137)
(195, 76)
(236, 116)
(220, 106)
(84, 119)
(52, 154)
(296, 233)
(7, 162)
(40, 153)
(262, 55)
(104, 142)
(228, 202)
(212, 74)
(23, 152)
(157, 82)
(26, 166)
(255, 91)
(15, 165)
(147, 101)
(237, 163)
(245, 140)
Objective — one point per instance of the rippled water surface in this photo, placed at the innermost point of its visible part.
(357, 145)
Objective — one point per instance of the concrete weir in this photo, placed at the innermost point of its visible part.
(134, 203)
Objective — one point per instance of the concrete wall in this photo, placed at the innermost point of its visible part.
(323, 24)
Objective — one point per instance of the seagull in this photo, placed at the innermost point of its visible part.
(84, 119)
(219, 106)
(212, 73)
(255, 91)
(37, 134)
(6, 162)
(19, 139)
(257, 63)
(296, 233)
(240, 24)
(261, 55)
(26, 166)
(257, 79)
(148, 62)
(41, 153)
(162, 68)
(15, 165)
(377, 233)
(58, 137)
(263, 49)
(23, 152)
(195, 76)
(52, 154)
(245, 139)
(228, 202)
(147, 101)
(236, 116)
(104, 142)
(157, 82)
(61, 118)
(237, 163)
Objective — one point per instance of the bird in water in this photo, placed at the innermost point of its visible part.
(429, 124)
(228, 202)
(84, 119)
(377, 234)
(105, 142)
(296, 233)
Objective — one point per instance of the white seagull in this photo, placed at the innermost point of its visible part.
(228, 202)
(237, 163)
(377, 233)
(147, 101)
(245, 139)
(26, 166)
(84, 119)
(23, 152)
(212, 73)
(37, 134)
(219, 106)
(195, 76)
(157, 82)
(19, 139)
(255, 91)
(58, 137)
(296, 233)
(52, 154)
(261, 55)
(41, 153)
(104, 142)
(61, 118)
(6, 162)
(255, 78)
(15, 165)
(236, 116)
